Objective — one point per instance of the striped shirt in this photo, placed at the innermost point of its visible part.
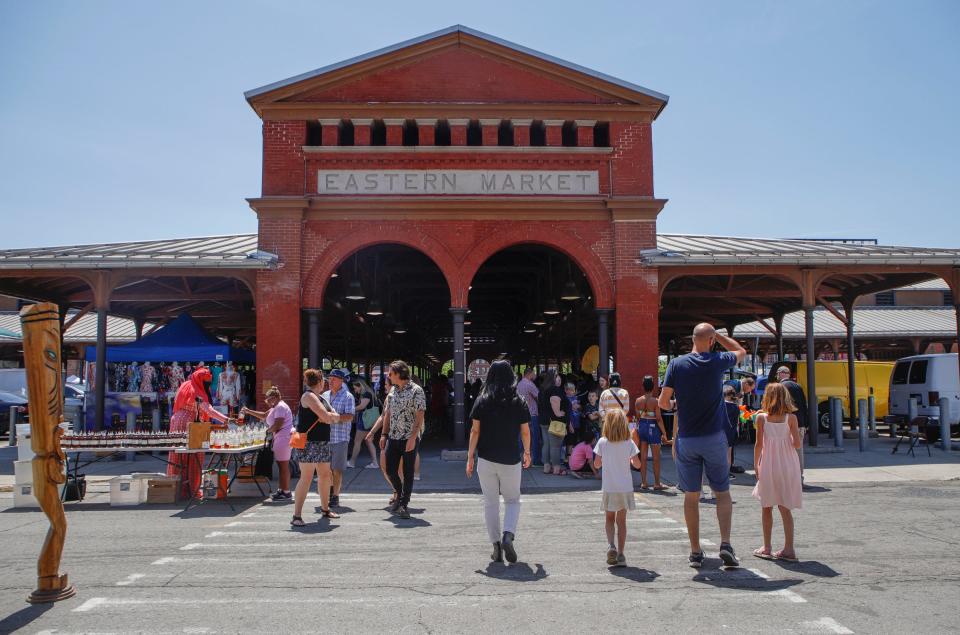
(609, 402)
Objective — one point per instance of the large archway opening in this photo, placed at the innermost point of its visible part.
(385, 302)
(533, 305)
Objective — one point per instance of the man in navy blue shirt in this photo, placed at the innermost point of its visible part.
(700, 440)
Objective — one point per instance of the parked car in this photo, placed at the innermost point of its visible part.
(927, 378)
(10, 400)
(14, 381)
(873, 380)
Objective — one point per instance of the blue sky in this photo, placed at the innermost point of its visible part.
(126, 120)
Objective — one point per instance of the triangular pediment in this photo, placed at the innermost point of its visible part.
(455, 65)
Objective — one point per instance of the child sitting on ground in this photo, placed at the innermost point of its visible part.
(615, 453)
(581, 459)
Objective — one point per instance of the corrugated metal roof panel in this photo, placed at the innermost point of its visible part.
(84, 330)
(681, 249)
(209, 251)
(868, 322)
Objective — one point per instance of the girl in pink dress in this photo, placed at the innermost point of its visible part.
(778, 469)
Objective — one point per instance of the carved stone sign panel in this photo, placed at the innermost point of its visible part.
(469, 182)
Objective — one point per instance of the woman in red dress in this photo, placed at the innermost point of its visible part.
(192, 403)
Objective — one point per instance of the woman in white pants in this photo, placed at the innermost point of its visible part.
(500, 417)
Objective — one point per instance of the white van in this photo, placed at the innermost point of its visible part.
(927, 378)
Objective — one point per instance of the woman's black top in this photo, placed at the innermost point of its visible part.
(321, 431)
(500, 423)
(546, 409)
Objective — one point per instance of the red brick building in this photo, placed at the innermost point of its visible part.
(563, 155)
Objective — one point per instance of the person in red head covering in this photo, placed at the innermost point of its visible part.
(192, 403)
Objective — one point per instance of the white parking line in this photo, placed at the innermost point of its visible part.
(787, 594)
(828, 625)
(133, 577)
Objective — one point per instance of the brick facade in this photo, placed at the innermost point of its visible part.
(605, 243)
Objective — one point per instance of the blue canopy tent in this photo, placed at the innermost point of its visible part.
(182, 340)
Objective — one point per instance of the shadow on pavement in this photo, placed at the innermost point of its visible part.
(634, 573)
(815, 489)
(810, 567)
(518, 572)
(321, 526)
(739, 579)
(23, 617)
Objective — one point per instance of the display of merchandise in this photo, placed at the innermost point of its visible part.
(113, 440)
(148, 375)
(241, 437)
(176, 376)
(228, 390)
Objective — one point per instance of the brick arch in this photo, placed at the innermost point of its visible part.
(597, 275)
(316, 279)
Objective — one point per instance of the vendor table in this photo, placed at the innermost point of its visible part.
(223, 458)
(102, 454)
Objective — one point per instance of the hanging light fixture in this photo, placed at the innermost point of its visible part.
(374, 309)
(399, 328)
(354, 289)
(550, 308)
(570, 291)
(538, 321)
(530, 328)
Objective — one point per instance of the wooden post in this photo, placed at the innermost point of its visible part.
(41, 355)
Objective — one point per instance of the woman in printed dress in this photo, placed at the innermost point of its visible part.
(192, 403)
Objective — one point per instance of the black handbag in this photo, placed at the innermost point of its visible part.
(264, 464)
(75, 488)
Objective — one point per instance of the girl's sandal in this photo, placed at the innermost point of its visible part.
(297, 522)
(659, 488)
(644, 486)
(763, 555)
(326, 513)
(781, 555)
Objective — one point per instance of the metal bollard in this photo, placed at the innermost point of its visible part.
(872, 413)
(862, 425)
(836, 421)
(131, 427)
(12, 436)
(945, 423)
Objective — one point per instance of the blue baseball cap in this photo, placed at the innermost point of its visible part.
(340, 373)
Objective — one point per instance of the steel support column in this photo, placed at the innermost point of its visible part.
(778, 326)
(459, 376)
(313, 337)
(101, 371)
(603, 323)
(813, 417)
(851, 362)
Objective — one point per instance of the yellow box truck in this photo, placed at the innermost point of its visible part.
(873, 380)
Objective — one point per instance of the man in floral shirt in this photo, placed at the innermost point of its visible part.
(402, 422)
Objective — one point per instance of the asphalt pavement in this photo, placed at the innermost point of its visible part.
(876, 557)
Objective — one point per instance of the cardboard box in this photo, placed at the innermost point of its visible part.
(162, 491)
(126, 490)
(24, 449)
(23, 472)
(23, 496)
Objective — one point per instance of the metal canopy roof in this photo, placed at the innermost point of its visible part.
(83, 331)
(457, 28)
(689, 249)
(209, 252)
(868, 322)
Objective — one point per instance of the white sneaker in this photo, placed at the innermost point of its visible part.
(373, 465)
(416, 477)
(350, 464)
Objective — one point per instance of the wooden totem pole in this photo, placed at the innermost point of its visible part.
(41, 355)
